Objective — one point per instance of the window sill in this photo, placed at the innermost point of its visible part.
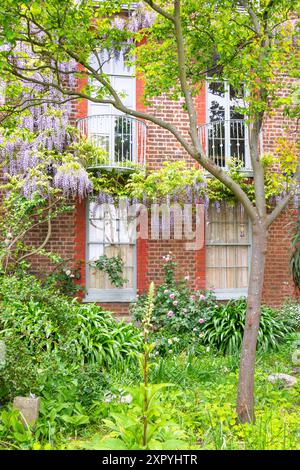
(233, 294)
(248, 173)
(110, 295)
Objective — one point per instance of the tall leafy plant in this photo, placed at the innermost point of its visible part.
(143, 424)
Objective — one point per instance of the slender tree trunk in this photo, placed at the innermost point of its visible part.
(245, 401)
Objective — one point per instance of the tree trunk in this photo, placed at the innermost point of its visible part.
(245, 401)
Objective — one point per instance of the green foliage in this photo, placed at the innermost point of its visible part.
(175, 179)
(13, 433)
(18, 375)
(125, 429)
(113, 266)
(88, 152)
(63, 278)
(115, 181)
(37, 322)
(182, 318)
(144, 425)
(224, 329)
(172, 177)
(206, 406)
(177, 309)
(290, 312)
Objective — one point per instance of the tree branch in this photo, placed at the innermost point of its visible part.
(159, 10)
(36, 251)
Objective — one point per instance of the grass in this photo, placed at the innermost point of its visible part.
(203, 401)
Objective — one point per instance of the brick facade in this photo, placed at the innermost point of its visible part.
(69, 231)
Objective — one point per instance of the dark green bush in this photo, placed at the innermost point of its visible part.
(224, 329)
(38, 324)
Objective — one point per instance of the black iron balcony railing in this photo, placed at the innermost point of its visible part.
(225, 140)
(122, 137)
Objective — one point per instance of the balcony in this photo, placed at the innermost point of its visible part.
(224, 140)
(122, 137)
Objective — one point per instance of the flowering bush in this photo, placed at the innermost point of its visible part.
(176, 308)
(63, 278)
(182, 317)
(290, 312)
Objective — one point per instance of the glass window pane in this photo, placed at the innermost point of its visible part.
(228, 244)
(216, 101)
(109, 235)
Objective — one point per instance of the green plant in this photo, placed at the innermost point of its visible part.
(177, 309)
(64, 278)
(223, 330)
(19, 373)
(37, 323)
(144, 425)
(290, 313)
(98, 338)
(126, 430)
(113, 266)
(13, 433)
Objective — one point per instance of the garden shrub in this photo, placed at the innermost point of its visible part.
(177, 309)
(37, 323)
(290, 312)
(225, 327)
(182, 317)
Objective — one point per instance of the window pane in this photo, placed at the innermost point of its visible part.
(216, 101)
(123, 139)
(96, 231)
(227, 253)
(109, 235)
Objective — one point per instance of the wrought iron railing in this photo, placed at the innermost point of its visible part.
(225, 140)
(122, 137)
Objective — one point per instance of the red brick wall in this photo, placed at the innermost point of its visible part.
(62, 242)
(278, 284)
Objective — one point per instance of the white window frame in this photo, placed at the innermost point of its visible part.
(248, 166)
(110, 113)
(236, 293)
(108, 295)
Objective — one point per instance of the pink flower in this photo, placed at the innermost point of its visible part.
(170, 314)
(193, 297)
(166, 291)
(175, 302)
(201, 320)
(172, 296)
(202, 297)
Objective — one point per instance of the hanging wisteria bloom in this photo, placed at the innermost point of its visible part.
(73, 180)
(43, 134)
